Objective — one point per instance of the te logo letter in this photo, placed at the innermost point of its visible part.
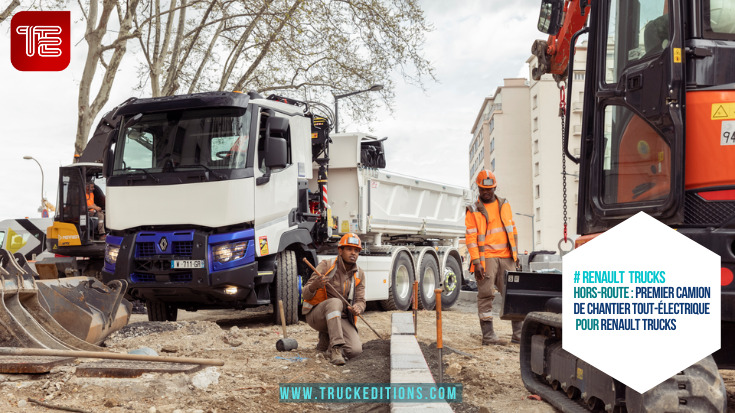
(40, 40)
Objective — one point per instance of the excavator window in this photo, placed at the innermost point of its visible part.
(637, 160)
(719, 19)
(636, 31)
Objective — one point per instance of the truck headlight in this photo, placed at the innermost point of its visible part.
(111, 252)
(229, 252)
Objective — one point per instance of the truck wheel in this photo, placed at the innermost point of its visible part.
(160, 311)
(452, 282)
(428, 281)
(699, 388)
(402, 276)
(286, 288)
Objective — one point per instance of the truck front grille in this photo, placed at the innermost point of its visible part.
(183, 248)
(145, 249)
(181, 277)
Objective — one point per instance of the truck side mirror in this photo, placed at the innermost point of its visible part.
(276, 132)
(549, 20)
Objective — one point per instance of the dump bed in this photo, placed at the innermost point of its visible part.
(368, 200)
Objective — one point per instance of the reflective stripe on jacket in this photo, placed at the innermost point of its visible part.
(487, 236)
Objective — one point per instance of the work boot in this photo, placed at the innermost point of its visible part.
(488, 334)
(517, 327)
(323, 344)
(336, 357)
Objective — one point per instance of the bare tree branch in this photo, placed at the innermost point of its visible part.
(8, 10)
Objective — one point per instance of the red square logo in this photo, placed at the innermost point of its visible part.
(40, 40)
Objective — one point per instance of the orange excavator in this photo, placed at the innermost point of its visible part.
(658, 135)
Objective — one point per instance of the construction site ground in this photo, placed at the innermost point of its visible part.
(249, 380)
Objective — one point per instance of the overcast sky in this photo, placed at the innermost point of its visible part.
(474, 45)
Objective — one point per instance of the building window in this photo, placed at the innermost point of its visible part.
(538, 214)
(535, 101)
(492, 145)
(538, 191)
(578, 75)
(538, 237)
(536, 169)
(535, 124)
(535, 146)
(482, 155)
(492, 165)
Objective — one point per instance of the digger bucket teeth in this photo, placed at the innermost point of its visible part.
(61, 314)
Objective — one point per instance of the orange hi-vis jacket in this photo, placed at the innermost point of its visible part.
(491, 232)
(90, 200)
(348, 290)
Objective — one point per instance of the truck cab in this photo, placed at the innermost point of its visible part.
(204, 192)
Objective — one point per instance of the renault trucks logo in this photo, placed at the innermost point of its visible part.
(40, 40)
(163, 244)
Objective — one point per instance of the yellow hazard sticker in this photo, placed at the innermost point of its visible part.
(263, 245)
(344, 226)
(580, 374)
(677, 55)
(314, 135)
(721, 111)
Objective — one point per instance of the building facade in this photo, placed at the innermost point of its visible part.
(518, 135)
(500, 144)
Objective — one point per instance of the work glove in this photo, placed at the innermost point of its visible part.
(319, 282)
(479, 273)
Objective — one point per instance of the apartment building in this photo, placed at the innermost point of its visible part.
(521, 142)
(500, 143)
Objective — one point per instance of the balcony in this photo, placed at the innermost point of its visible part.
(577, 130)
(577, 107)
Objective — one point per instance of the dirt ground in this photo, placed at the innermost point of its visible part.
(249, 380)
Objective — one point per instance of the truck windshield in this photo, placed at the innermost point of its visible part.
(203, 139)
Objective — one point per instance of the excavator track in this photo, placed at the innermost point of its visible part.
(553, 373)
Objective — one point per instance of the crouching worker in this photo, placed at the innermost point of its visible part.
(326, 312)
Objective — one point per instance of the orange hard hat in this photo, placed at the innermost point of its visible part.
(486, 179)
(350, 239)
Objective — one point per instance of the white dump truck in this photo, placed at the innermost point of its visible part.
(214, 199)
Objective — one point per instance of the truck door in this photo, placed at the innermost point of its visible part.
(276, 191)
(633, 146)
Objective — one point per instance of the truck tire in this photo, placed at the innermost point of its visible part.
(452, 282)
(699, 388)
(286, 288)
(428, 281)
(402, 276)
(160, 311)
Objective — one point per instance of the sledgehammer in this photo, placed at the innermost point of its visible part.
(285, 344)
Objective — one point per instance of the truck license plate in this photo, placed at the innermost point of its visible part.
(187, 264)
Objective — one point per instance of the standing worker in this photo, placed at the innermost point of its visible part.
(492, 240)
(325, 311)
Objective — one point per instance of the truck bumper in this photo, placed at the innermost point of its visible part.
(201, 289)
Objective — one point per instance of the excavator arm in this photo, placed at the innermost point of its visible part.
(560, 19)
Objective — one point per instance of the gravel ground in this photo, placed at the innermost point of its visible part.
(249, 380)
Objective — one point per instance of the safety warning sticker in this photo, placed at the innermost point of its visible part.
(722, 111)
(263, 241)
(727, 133)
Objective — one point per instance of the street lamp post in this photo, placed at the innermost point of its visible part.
(373, 88)
(533, 229)
(39, 165)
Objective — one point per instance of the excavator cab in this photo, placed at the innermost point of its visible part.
(75, 230)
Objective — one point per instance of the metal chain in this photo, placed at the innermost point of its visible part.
(562, 115)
